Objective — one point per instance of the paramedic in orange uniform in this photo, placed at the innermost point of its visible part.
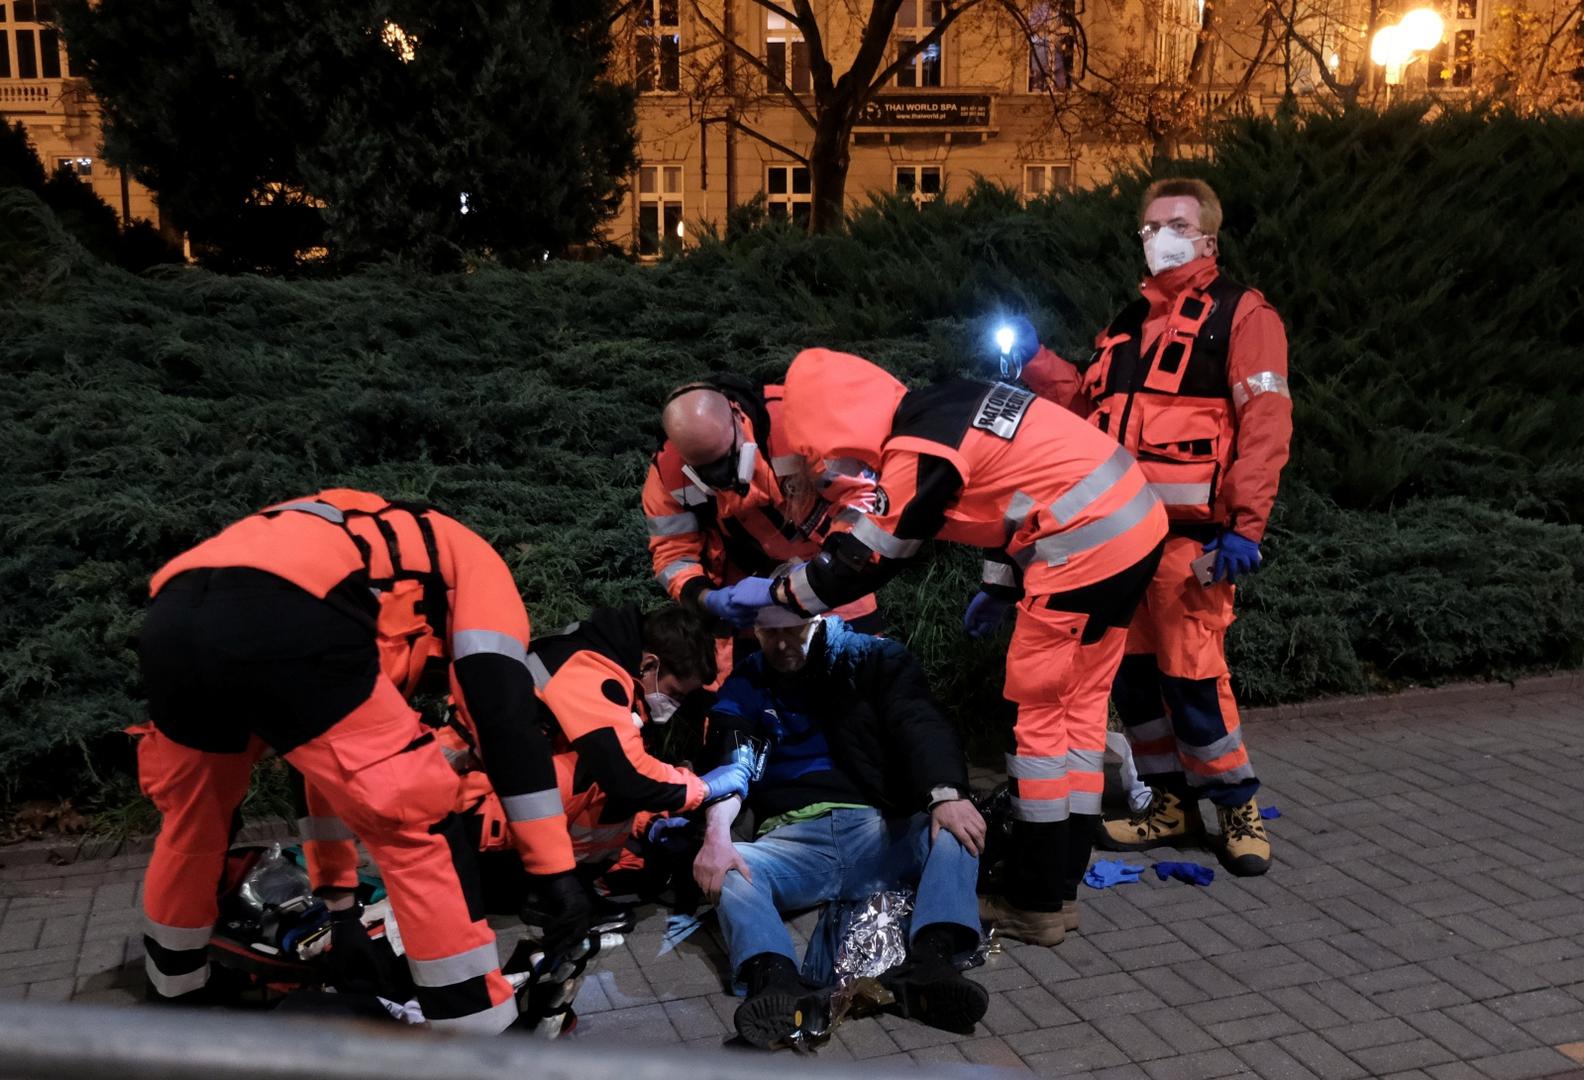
(1071, 532)
(1192, 379)
(304, 629)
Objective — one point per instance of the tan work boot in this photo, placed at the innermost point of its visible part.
(1032, 927)
(1069, 914)
(1166, 820)
(1245, 849)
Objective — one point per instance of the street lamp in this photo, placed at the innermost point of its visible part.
(1393, 47)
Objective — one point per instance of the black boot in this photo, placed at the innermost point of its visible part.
(781, 1004)
(929, 988)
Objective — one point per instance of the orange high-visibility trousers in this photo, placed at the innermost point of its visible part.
(388, 781)
(1063, 658)
(1174, 690)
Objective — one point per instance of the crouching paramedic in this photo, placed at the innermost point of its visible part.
(1067, 523)
(1192, 378)
(600, 682)
(304, 628)
(726, 501)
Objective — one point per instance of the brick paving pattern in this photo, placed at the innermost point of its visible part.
(1424, 919)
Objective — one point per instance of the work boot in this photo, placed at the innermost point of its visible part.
(932, 991)
(1033, 927)
(782, 1005)
(1069, 914)
(1245, 849)
(1168, 819)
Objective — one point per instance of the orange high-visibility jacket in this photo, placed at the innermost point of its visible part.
(433, 592)
(702, 540)
(1055, 503)
(593, 705)
(1192, 379)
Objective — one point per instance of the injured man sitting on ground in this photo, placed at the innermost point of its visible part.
(863, 789)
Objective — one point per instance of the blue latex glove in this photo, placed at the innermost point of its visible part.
(752, 593)
(1025, 343)
(984, 614)
(1269, 813)
(1108, 872)
(718, 602)
(738, 604)
(1234, 555)
(730, 779)
(1192, 873)
(669, 833)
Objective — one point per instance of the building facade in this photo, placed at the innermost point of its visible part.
(1036, 95)
(62, 119)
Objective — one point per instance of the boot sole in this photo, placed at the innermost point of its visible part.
(954, 1005)
(770, 1019)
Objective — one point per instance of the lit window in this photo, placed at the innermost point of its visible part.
(659, 46)
(1176, 34)
(921, 183)
(1042, 179)
(786, 56)
(915, 19)
(1451, 63)
(81, 166)
(659, 208)
(789, 194)
(1053, 43)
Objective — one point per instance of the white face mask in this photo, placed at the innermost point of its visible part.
(661, 707)
(1166, 249)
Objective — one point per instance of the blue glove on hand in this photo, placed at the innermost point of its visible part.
(752, 593)
(1107, 872)
(669, 833)
(984, 614)
(725, 781)
(1192, 873)
(738, 604)
(1234, 555)
(1024, 340)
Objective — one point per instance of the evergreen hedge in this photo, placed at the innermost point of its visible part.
(1428, 269)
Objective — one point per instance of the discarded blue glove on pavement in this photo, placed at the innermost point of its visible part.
(1192, 873)
(1269, 812)
(1107, 872)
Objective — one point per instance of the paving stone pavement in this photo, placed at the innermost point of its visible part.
(1424, 919)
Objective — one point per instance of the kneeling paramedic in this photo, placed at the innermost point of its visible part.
(1192, 379)
(304, 629)
(600, 683)
(864, 789)
(1070, 531)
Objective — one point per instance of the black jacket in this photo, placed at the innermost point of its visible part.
(887, 736)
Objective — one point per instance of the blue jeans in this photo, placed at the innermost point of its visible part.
(846, 855)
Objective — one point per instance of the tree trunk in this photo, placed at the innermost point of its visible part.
(829, 159)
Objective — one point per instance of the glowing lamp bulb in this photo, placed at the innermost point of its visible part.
(1005, 338)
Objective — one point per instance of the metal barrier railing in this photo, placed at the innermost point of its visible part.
(95, 1042)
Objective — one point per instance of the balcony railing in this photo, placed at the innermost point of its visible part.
(29, 93)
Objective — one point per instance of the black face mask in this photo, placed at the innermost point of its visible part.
(732, 471)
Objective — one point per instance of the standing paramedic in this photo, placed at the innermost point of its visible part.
(304, 629)
(1192, 379)
(726, 500)
(1067, 524)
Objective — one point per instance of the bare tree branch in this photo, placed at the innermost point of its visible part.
(775, 79)
(732, 121)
